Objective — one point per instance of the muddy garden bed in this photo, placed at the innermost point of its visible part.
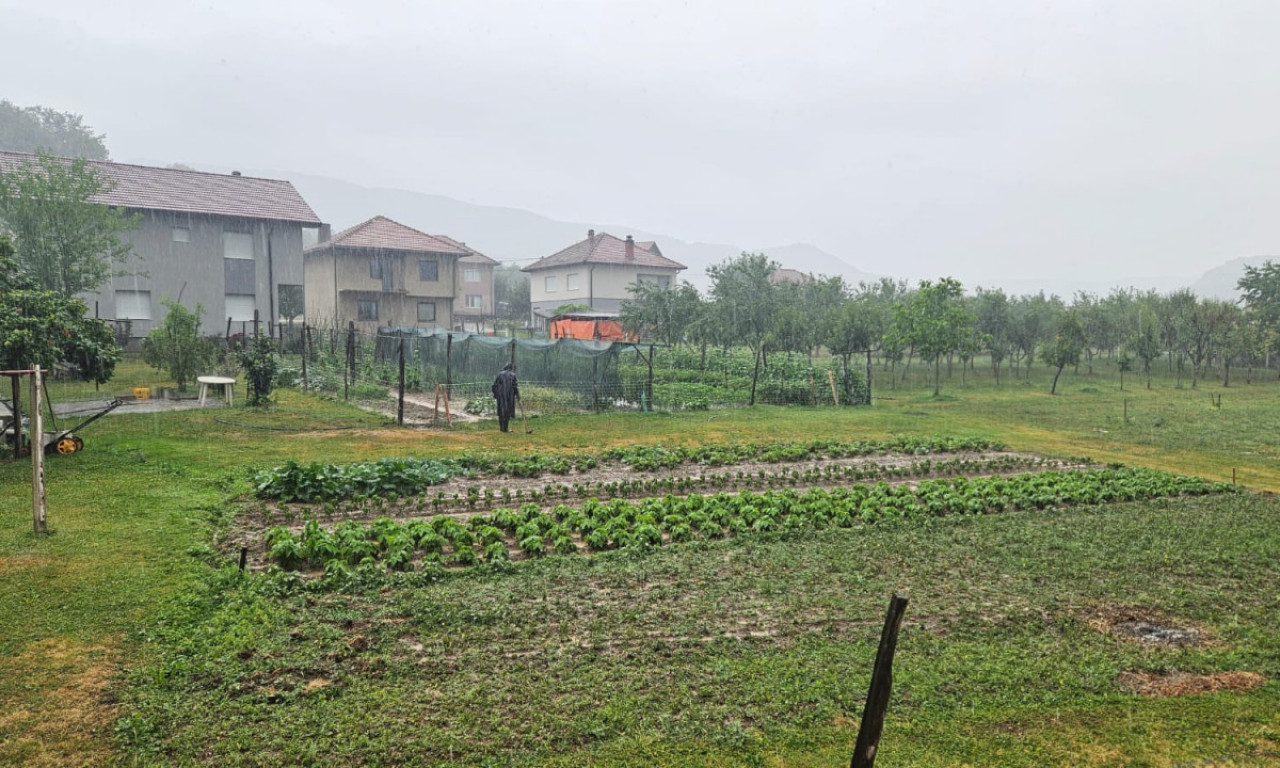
(464, 497)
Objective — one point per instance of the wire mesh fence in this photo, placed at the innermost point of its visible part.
(438, 369)
(447, 376)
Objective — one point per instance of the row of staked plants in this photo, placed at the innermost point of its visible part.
(314, 482)
(487, 497)
(624, 524)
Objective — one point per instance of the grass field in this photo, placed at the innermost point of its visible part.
(125, 638)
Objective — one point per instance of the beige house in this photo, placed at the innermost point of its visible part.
(596, 272)
(475, 300)
(382, 273)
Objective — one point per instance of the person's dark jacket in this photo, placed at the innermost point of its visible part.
(506, 391)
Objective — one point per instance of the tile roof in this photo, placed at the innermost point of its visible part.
(381, 232)
(783, 275)
(604, 248)
(473, 256)
(144, 187)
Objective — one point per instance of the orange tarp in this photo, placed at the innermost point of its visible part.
(590, 329)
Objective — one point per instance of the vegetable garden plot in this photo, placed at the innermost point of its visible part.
(436, 532)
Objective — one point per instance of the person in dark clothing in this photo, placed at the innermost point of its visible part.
(506, 392)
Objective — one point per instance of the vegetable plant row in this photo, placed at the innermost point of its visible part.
(323, 482)
(654, 521)
(486, 497)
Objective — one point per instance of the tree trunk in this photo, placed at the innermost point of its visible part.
(1054, 389)
(937, 375)
(755, 375)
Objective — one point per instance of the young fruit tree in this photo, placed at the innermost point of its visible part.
(42, 327)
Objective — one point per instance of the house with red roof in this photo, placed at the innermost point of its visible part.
(231, 243)
(596, 272)
(475, 301)
(383, 273)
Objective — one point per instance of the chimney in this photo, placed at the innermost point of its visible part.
(631, 248)
(235, 173)
(325, 233)
(591, 234)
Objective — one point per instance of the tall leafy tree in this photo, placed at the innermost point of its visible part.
(40, 327)
(1260, 291)
(995, 321)
(42, 129)
(69, 243)
(745, 304)
(858, 326)
(1068, 344)
(936, 322)
(1145, 342)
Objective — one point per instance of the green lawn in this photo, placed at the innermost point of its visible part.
(121, 639)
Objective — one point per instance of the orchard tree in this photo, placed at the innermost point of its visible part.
(1068, 344)
(69, 243)
(744, 302)
(42, 129)
(1145, 342)
(666, 315)
(935, 322)
(858, 326)
(995, 323)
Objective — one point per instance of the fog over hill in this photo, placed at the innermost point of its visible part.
(512, 235)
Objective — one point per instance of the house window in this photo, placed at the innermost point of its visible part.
(426, 311)
(366, 309)
(133, 305)
(375, 268)
(475, 301)
(181, 235)
(662, 281)
(237, 245)
(470, 275)
(240, 306)
(239, 276)
(571, 281)
(428, 270)
(549, 284)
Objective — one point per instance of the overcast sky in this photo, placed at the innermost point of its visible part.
(1020, 138)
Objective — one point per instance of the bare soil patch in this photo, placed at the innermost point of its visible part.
(1149, 626)
(1162, 684)
(74, 697)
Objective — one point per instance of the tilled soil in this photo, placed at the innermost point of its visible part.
(462, 498)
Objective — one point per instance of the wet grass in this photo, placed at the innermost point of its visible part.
(134, 514)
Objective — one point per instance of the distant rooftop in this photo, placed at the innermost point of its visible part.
(604, 248)
(144, 187)
(383, 233)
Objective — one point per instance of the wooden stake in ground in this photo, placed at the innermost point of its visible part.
(831, 378)
(39, 521)
(864, 753)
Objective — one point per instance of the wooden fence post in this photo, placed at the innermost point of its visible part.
(864, 753)
(400, 407)
(350, 369)
(831, 379)
(305, 336)
(448, 362)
